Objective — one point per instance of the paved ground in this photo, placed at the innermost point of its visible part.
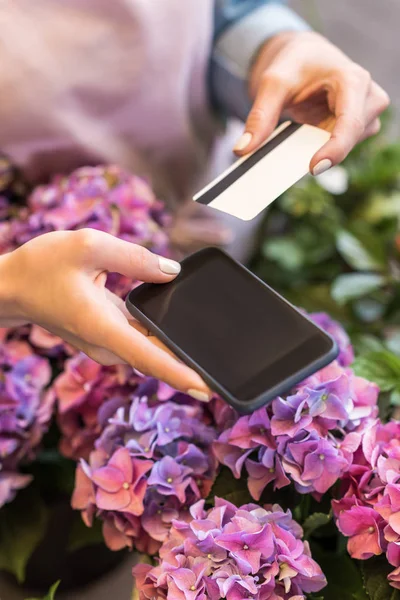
(368, 30)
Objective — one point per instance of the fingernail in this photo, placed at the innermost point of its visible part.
(243, 142)
(322, 166)
(169, 267)
(199, 395)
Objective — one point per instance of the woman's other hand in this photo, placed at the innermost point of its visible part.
(307, 79)
(57, 281)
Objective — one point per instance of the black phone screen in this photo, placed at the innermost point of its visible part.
(236, 328)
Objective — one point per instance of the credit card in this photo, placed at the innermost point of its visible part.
(254, 181)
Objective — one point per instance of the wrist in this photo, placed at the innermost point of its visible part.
(265, 57)
(10, 314)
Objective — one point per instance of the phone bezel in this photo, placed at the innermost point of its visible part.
(243, 407)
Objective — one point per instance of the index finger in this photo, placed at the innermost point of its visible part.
(138, 351)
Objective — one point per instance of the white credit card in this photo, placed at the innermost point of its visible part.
(256, 180)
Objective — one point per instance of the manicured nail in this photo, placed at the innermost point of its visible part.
(243, 142)
(199, 395)
(169, 267)
(322, 166)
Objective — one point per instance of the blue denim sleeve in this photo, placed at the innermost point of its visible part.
(240, 29)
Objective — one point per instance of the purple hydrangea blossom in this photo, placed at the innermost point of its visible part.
(168, 445)
(346, 353)
(106, 198)
(233, 553)
(87, 395)
(368, 511)
(10, 483)
(25, 410)
(308, 437)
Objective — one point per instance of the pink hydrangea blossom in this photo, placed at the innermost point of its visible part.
(103, 197)
(10, 483)
(364, 527)
(233, 553)
(86, 394)
(346, 353)
(153, 460)
(120, 483)
(25, 410)
(368, 510)
(309, 437)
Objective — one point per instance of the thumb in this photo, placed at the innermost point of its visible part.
(104, 252)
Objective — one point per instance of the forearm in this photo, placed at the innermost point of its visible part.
(237, 44)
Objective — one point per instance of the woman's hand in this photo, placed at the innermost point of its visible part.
(57, 281)
(309, 80)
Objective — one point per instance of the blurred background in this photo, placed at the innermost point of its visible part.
(367, 30)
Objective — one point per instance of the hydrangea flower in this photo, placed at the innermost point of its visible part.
(310, 436)
(87, 394)
(10, 483)
(368, 511)
(234, 553)
(152, 461)
(25, 410)
(346, 353)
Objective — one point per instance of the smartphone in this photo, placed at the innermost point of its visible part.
(247, 342)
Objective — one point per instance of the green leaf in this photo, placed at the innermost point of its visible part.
(284, 251)
(51, 593)
(344, 578)
(228, 487)
(356, 254)
(382, 368)
(355, 285)
(366, 343)
(314, 522)
(374, 572)
(22, 526)
(82, 536)
(361, 595)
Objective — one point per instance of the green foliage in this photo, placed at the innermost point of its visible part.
(374, 573)
(314, 522)
(343, 575)
(365, 254)
(22, 526)
(351, 286)
(51, 593)
(381, 367)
